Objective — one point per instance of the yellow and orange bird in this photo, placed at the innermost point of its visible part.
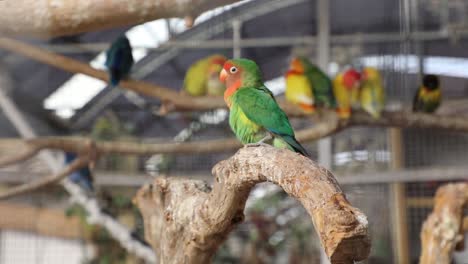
(298, 87)
(346, 89)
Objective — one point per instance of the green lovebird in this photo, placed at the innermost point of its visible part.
(321, 84)
(254, 113)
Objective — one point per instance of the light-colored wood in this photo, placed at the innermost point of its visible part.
(398, 200)
(45, 18)
(186, 221)
(443, 228)
(42, 221)
(420, 202)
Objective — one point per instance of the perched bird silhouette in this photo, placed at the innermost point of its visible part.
(254, 115)
(428, 96)
(82, 177)
(119, 60)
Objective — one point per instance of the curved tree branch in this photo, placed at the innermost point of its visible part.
(45, 18)
(443, 228)
(31, 186)
(186, 221)
(329, 125)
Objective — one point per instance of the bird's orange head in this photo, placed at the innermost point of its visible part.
(295, 66)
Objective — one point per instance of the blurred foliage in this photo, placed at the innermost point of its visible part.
(277, 229)
(106, 249)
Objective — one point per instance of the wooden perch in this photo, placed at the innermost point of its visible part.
(47, 19)
(443, 228)
(185, 221)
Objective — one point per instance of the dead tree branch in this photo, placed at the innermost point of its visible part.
(186, 222)
(47, 19)
(34, 185)
(443, 229)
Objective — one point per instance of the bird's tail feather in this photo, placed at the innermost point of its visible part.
(296, 146)
(114, 76)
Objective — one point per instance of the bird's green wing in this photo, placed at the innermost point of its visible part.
(259, 105)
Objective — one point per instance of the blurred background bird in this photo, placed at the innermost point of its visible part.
(346, 86)
(202, 78)
(82, 177)
(321, 84)
(119, 60)
(299, 86)
(372, 95)
(428, 96)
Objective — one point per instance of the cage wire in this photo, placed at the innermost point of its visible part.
(270, 214)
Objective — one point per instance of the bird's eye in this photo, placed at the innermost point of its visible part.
(233, 69)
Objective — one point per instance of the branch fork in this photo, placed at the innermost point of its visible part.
(186, 220)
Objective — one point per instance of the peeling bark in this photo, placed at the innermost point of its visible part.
(45, 18)
(443, 229)
(186, 222)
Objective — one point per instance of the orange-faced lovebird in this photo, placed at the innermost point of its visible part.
(202, 78)
(254, 113)
(82, 177)
(346, 87)
(119, 60)
(428, 96)
(372, 94)
(299, 87)
(321, 85)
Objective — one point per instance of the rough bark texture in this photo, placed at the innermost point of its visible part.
(443, 229)
(186, 222)
(45, 18)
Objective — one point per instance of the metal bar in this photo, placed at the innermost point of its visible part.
(136, 179)
(323, 59)
(236, 38)
(369, 38)
(398, 200)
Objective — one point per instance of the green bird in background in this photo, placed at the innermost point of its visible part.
(202, 78)
(372, 95)
(119, 60)
(428, 96)
(254, 113)
(321, 84)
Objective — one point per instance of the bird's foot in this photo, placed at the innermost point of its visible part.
(261, 142)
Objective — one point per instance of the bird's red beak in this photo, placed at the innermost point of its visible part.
(223, 75)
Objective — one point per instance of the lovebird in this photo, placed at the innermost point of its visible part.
(428, 96)
(202, 78)
(119, 60)
(346, 86)
(372, 95)
(299, 87)
(321, 85)
(82, 177)
(254, 115)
